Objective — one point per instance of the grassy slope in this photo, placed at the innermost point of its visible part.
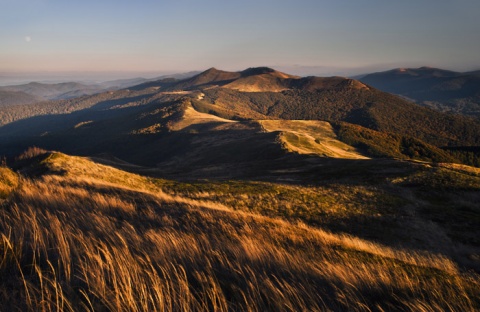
(316, 137)
(369, 108)
(85, 236)
(384, 144)
(310, 137)
(129, 120)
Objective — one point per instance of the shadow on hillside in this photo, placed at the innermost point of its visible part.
(37, 125)
(381, 211)
(73, 131)
(279, 166)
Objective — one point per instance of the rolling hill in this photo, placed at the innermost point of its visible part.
(76, 235)
(443, 90)
(56, 91)
(369, 108)
(35, 92)
(157, 124)
(251, 191)
(131, 82)
(332, 99)
(179, 140)
(8, 98)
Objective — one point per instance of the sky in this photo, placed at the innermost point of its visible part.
(306, 37)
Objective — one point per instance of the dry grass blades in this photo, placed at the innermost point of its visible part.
(88, 239)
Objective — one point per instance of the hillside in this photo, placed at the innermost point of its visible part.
(333, 99)
(381, 144)
(178, 140)
(101, 101)
(34, 92)
(80, 235)
(8, 98)
(166, 123)
(131, 82)
(442, 90)
(257, 79)
(369, 108)
(310, 137)
(56, 91)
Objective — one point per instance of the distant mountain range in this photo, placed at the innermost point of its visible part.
(36, 92)
(259, 79)
(217, 117)
(440, 89)
(16, 98)
(56, 91)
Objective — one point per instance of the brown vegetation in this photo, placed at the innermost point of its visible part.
(84, 236)
(135, 125)
(384, 144)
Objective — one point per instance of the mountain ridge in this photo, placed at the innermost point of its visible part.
(147, 114)
(10, 97)
(253, 79)
(57, 91)
(440, 89)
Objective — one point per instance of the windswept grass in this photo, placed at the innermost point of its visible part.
(447, 177)
(8, 182)
(78, 239)
(314, 205)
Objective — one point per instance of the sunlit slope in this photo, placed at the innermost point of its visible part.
(298, 136)
(158, 122)
(261, 80)
(83, 236)
(184, 138)
(311, 137)
(191, 117)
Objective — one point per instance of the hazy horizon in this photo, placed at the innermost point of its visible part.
(14, 78)
(97, 39)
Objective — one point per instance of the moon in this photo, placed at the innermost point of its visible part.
(28, 38)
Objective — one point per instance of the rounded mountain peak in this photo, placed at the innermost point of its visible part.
(252, 71)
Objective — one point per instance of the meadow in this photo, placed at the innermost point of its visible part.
(80, 236)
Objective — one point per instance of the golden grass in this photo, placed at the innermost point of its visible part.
(192, 117)
(314, 205)
(259, 83)
(311, 137)
(92, 239)
(8, 182)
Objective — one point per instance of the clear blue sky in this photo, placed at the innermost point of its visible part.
(183, 35)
